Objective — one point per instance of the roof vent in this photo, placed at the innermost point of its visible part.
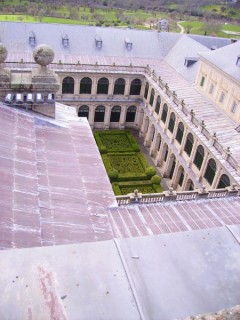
(238, 61)
(65, 40)
(128, 44)
(213, 47)
(98, 41)
(32, 39)
(189, 61)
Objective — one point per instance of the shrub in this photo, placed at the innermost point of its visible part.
(113, 174)
(150, 171)
(155, 179)
(103, 149)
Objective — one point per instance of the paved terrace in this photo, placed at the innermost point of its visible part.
(54, 189)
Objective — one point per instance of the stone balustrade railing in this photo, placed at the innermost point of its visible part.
(76, 67)
(167, 196)
(196, 122)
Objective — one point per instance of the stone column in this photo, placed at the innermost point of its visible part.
(127, 88)
(139, 117)
(153, 148)
(94, 87)
(216, 178)
(76, 85)
(107, 117)
(110, 88)
(203, 167)
(123, 117)
(91, 116)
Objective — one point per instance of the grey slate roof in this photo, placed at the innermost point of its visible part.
(185, 47)
(146, 44)
(226, 58)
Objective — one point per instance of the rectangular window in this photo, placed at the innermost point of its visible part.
(211, 88)
(234, 107)
(202, 81)
(222, 97)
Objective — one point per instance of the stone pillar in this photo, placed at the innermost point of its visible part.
(110, 88)
(127, 88)
(153, 148)
(144, 126)
(91, 116)
(194, 148)
(139, 117)
(186, 177)
(76, 85)
(167, 120)
(216, 178)
(149, 135)
(123, 117)
(203, 167)
(107, 117)
(94, 87)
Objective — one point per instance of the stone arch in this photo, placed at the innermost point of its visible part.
(146, 90)
(171, 122)
(210, 171)
(180, 132)
(131, 114)
(99, 114)
(189, 185)
(119, 86)
(68, 85)
(157, 105)
(189, 144)
(224, 182)
(164, 113)
(102, 86)
(85, 86)
(152, 97)
(135, 87)
(115, 114)
(199, 156)
(83, 111)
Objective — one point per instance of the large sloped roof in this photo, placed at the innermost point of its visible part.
(226, 59)
(146, 44)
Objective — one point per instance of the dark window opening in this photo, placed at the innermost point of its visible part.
(86, 86)
(119, 86)
(83, 111)
(99, 114)
(180, 131)
(223, 182)
(135, 87)
(210, 171)
(102, 86)
(131, 113)
(164, 113)
(198, 159)
(115, 114)
(68, 85)
(171, 123)
(189, 144)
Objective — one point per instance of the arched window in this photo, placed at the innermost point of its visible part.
(189, 185)
(119, 86)
(131, 113)
(223, 182)
(68, 85)
(171, 123)
(146, 90)
(198, 159)
(85, 86)
(102, 86)
(152, 97)
(210, 171)
(166, 154)
(135, 87)
(180, 131)
(189, 144)
(181, 178)
(172, 169)
(164, 113)
(83, 111)
(115, 114)
(99, 114)
(157, 106)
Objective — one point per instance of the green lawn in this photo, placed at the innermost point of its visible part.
(197, 27)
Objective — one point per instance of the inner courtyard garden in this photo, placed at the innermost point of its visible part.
(126, 166)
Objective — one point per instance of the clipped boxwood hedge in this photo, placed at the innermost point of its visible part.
(116, 141)
(127, 168)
